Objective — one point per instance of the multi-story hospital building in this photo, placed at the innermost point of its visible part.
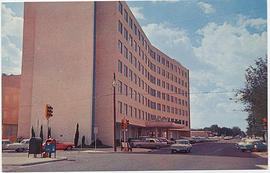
(71, 51)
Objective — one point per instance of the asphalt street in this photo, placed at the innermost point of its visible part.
(204, 156)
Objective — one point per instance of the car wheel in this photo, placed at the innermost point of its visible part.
(19, 149)
(242, 150)
(172, 151)
(69, 148)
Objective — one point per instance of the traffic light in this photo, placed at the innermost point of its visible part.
(123, 124)
(264, 123)
(127, 122)
(48, 111)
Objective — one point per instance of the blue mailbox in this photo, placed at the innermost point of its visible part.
(50, 147)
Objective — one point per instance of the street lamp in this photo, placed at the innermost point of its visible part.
(114, 113)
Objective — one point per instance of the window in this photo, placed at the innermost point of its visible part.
(167, 86)
(120, 26)
(120, 46)
(171, 66)
(158, 82)
(125, 34)
(163, 96)
(171, 98)
(130, 92)
(125, 52)
(163, 84)
(135, 29)
(126, 89)
(139, 97)
(125, 71)
(120, 7)
(125, 109)
(171, 87)
(139, 35)
(163, 108)
(158, 70)
(130, 111)
(168, 109)
(130, 74)
(130, 22)
(163, 61)
(167, 63)
(119, 107)
(120, 87)
(135, 78)
(163, 72)
(158, 58)
(168, 97)
(135, 62)
(158, 94)
(125, 15)
(130, 57)
(135, 112)
(135, 95)
(119, 66)
(172, 110)
(139, 113)
(130, 40)
(158, 106)
(135, 46)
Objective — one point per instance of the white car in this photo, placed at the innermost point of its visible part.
(5, 142)
(181, 145)
(19, 147)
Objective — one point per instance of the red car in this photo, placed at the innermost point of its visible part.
(61, 145)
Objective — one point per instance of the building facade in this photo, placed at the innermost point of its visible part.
(10, 105)
(70, 57)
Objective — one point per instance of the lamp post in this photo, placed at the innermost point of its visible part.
(114, 113)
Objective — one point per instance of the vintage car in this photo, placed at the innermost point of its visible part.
(5, 142)
(61, 145)
(150, 143)
(252, 145)
(19, 147)
(181, 145)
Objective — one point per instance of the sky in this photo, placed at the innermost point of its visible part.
(216, 40)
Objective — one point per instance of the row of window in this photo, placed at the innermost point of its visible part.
(137, 64)
(133, 77)
(133, 94)
(128, 110)
(155, 56)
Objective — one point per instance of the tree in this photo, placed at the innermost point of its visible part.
(254, 96)
(49, 133)
(41, 133)
(83, 141)
(76, 138)
(236, 131)
(33, 132)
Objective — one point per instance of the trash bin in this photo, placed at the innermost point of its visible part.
(35, 146)
(50, 147)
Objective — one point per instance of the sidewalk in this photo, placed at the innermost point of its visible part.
(261, 154)
(111, 150)
(24, 161)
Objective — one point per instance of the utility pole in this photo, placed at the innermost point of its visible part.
(114, 114)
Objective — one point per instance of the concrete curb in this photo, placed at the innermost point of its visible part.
(34, 163)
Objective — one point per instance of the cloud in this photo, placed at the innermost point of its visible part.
(12, 27)
(137, 12)
(207, 8)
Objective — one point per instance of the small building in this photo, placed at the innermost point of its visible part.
(10, 105)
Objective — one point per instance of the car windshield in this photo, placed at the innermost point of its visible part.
(182, 142)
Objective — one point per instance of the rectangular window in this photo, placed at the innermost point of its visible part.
(125, 52)
(167, 63)
(135, 29)
(139, 97)
(120, 46)
(135, 95)
(163, 72)
(135, 112)
(158, 58)
(120, 7)
(126, 89)
(135, 46)
(139, 35)
(130, 92)
(119, 66)
(163, 61)
(139, 113)
(135, 62)
(163, 108)
(125, 109)
(158, 70)
(120, 26)
(135, 78)
(158, 82)
(158, 94)
(120, 87)
(125, 34)
(163, 84)
(130, 40)
(119, 107)
(130, 57)
(125, 15)
(130, 75)
(172, 110)
(168, 109)
(125, 71)
(163, 96)
(158, 106)
(130, 111)
(130, 22)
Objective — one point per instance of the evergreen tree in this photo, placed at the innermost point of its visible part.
(41, 132)
(76, 138)
(33, 132)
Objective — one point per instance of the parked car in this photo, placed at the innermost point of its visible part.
(181, 145)
(4, 143)
(228, 138)
(19, 147)
(62, 145)
(135, 142)
(150, 143)
(249, 145)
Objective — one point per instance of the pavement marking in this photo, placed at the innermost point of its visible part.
(93, 151)
(262, 166)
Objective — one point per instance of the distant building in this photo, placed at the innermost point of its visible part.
(71, 51)
(196, 133)
(10, 105)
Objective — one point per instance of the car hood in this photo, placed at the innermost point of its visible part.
(180, 145)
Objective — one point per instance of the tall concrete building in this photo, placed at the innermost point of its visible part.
(71, 51)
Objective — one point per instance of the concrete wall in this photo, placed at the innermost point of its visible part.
(62, 63)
